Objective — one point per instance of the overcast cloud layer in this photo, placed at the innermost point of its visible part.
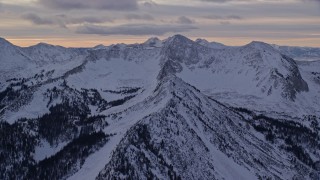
(86, 23)
(91, 4)
(134, 29)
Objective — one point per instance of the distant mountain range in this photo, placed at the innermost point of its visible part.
(163, 109)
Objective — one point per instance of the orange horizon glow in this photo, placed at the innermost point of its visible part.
(91, 42)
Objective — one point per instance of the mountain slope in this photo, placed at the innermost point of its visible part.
(240, 74)
(14, 64)
(163, 109)
(256, 62)
(196, 137)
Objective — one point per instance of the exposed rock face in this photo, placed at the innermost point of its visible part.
(294, 82)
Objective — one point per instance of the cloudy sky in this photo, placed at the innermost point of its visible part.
(86, 23)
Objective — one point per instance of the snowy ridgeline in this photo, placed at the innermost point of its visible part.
(164, 109)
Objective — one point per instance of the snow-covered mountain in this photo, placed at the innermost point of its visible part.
(213, 45)
(300, 53)
(14, 62)
(43, 54)
(163, 109)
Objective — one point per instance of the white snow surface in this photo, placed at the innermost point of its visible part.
(236, 76)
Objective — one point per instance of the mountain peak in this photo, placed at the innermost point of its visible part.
(99, 46)
(2, 39)
(154, 42)
(4, 42)
(200, 41)
(45, 45)
(260, 45)
(180, 49)
(214, 45)
(179, 38)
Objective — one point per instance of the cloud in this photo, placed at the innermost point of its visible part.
(184, 20)
(255, 1)
(217, 17)
(63, 20)
(217, 1)
(134, 29)
(85, 19)
(149, 4)
(35, 19)
(316, 1)
(91, 4)
(224, 20)
(225, 1)
(147, 17)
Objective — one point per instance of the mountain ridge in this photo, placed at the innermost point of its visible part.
(161, 109)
